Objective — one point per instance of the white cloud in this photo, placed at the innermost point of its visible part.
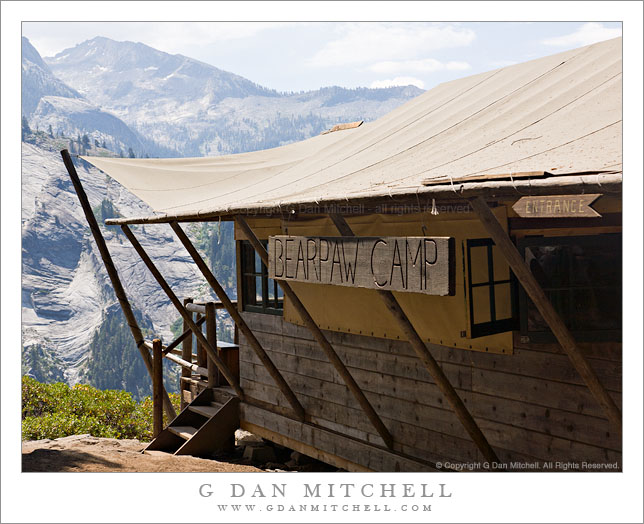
(426, 65)
(587, 34)
(369, 42)
(399, 81)
(172, 37)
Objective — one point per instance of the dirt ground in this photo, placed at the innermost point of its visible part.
(87, 453)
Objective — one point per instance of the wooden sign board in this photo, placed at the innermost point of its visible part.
(413, 264)
(556, 206)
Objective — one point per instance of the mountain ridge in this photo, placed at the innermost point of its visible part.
(66, 295)
(199, 109)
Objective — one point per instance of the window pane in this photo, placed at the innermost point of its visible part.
(249, 290)
(481, 302)
(596, 309)
(258, 264)
(560, 301)
(478, 264)
(593, 265)
(258, 290)
(503, 301)
(271, 291)
(247, 257)
(550, 265)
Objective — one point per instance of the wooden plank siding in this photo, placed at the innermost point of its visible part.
(531, 405)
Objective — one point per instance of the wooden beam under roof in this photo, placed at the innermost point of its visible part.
(368, 203)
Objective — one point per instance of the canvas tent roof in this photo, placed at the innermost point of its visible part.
(560, 114)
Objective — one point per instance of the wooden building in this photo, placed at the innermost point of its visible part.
(440, 285)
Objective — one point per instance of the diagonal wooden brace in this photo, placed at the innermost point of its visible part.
(426, 357)
(240, 322)
(548, 312)
(321, 339)
(112, 273)
(187, 317)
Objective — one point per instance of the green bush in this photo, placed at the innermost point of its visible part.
(57, 410)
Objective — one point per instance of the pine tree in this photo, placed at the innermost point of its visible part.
(130, 153)
(51, 131)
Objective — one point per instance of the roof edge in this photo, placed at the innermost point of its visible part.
(561, 184)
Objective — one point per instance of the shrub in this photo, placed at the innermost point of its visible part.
(56, 410)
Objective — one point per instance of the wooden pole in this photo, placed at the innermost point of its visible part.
(240, 323)
(183, 312)
(186, 364)
(548, 312)
(321, 339)
(157, 387)
(211, 335)
(202, 357)
(426, 357)
(186, 354)
(112, 273)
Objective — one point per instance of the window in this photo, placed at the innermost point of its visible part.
(260, 294)
(582, 277)
(490, 289)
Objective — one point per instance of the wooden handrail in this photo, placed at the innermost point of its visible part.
(182, 337)
(178, 360)
(187, 316)
(200, 307)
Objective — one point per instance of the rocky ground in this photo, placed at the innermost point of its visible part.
(84, 453)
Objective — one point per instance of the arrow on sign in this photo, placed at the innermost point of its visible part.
(556, 206)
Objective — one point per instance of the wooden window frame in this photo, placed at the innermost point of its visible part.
(248, 260)
(494, 325)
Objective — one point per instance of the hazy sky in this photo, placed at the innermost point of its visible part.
(294, 56)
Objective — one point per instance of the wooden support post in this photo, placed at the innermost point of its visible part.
(183, 312)
(157, 387)
(321, 339)
(211, 336)
(426, 357)
(112, 273)
(548, 312)
(186, 354)
(202, 357)
(240, 323)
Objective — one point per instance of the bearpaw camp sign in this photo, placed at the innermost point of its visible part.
(413, 264)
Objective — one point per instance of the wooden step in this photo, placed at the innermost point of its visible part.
(226, 345)
(185, 432)
(206, 411)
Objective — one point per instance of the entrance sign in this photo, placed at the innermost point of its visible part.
(556, 206)
(413, 264)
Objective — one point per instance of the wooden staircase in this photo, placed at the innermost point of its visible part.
(206, 425)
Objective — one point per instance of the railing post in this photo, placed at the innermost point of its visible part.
(211, 337)
(202, 356)
(186, 354)
(157, 387)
